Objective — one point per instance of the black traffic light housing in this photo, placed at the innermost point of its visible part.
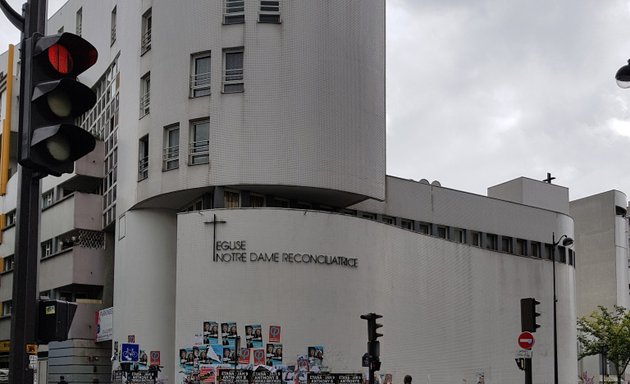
(50, 141)
(54, 320)
(529, 314)
(373, 345)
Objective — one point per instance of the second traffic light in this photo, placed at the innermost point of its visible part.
(529, 314)
(50, 141)
(373, 326)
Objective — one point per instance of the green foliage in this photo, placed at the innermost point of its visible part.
(607, 331)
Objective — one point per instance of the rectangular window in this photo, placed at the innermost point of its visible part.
(10, 218)
(143, 158)
(561, 254)
(506, 244)
(145, 44)
(475, 238)
(233, 76)
(47, 199)
(234, 12)
(368, 215)
(79, 19)
(406, 224)
(145, 95)
(424, 228)
(8, 263)
(269, 11)
(536, 249)
(492, 241)
(171, 148)
(113, 26)
(571, 257)
(198, 151)
(47, 248)
(548, 251)
(7, 308)
(200, 75)
(442, 231)
(459, 235)
(521, 247)
(388, 220)
(231, 199)
(256, 201)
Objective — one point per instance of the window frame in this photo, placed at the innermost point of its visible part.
(233, 12)
(145, 94)
(143, 157)
(200, 83)
(145, 37)
(170, 152)
(198, 148)
(233, 79)
(269, 13)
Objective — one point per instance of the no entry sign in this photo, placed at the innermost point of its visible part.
(526, 340)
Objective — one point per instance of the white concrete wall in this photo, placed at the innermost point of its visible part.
(450, 310)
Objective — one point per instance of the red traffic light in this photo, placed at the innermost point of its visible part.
(67, 54)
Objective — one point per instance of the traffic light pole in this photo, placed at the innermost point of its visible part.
(25, 281)
(528, 371)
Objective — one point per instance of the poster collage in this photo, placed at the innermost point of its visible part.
(219, 351)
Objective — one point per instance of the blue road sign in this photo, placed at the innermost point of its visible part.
(129, 352)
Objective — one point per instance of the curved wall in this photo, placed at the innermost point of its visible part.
(312, 113)
(450, 310)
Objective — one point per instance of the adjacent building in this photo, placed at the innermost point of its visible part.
(240, 178)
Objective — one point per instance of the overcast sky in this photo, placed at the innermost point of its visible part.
(483, 91)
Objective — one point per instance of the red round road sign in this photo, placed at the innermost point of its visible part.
(526, 340)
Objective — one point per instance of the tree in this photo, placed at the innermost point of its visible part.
(609, 331)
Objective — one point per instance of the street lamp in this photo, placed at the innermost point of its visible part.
(566, 241)
(623, 76)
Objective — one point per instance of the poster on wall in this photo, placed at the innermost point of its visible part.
(264, 376)
(321, 378)
(253, 336)
(274, 355)
(244, 356)
(233, 376)
(229, 355)
(228, 334)
(207, 374)
(274, 333)
(210, 332)
(258, 356)
(104, 324)
(315, 357)
(190, 358)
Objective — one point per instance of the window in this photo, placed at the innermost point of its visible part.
(7, 308)
(536, 249)
(424, 228)
(60, 30)
(521, 247)
(548, 251)
(145, 95)
(571, 257)
(269, 11)
(113, 26)
(475, 238)
(47, 248)
(506, 244)
(492, 241)
(10, 218)
(406, 224)
(442, 231)
(233, 71)
(234, 12)
(561, 254)
(143, 158)
(8, 263)
(199, 143)
(459, 235)
(200, 77)
(368, 215)
(388, 220)
(231, 199)
(256, 200)
(145, 43)
(284, 203)
(171, 148)
(79, 24)
(47, 199)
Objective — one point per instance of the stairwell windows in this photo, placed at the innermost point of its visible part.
(233, 74)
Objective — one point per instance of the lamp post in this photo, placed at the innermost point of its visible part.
(566, 241)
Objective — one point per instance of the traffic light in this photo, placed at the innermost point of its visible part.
(54, 321)
(529, 314)
(373, 345)
(50, 141)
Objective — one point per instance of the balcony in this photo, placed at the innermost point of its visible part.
(88, 170)
(75, 265)
(77, 211)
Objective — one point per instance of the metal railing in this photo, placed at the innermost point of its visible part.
(200, 84)
(170, 158)
(145, 44)
(198, 152)
(143, 168)
(113, 35)
(145, 103)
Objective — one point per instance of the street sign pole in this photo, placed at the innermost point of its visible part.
(25, 282)
(528, 371)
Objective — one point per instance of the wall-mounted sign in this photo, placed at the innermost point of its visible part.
(104, 324)
(237, 252)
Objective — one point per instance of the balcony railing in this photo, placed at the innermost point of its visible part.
(145, 45)
(143, 168)
(200, 84)
(145, 102)
(233, 80)
(170, 158)
(199, 152)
